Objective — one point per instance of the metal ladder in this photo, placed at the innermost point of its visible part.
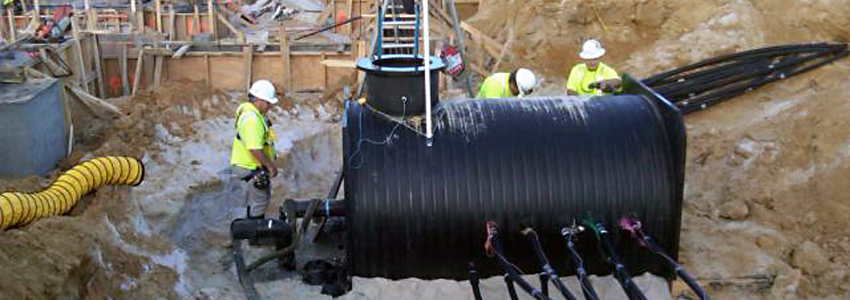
(399, 31)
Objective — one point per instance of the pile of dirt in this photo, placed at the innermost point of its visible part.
(645, 37)
(115, 242)
(95, 255)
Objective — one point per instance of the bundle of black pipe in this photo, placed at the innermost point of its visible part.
(415, 210)
(394, 83)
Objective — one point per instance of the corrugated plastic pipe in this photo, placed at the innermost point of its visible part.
(18, 208)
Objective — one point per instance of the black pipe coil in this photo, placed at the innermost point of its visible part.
(700, 85)
(419, 211)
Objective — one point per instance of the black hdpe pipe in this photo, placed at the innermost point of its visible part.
(740, 73)
(512, 274)
(610, 253)
(244, 271)
(703, 84)
(733, 91)
(763, 52)
(548, 272)
(634, 227)
(569, 234)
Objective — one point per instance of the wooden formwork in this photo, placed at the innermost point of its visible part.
(225, 70)
(108, 43)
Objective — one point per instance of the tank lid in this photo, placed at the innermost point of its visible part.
(398, 63)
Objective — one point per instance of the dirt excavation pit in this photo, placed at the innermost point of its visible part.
(765, 197)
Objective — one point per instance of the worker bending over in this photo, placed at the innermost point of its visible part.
(253, 154)
(592, 77)
(520, 82)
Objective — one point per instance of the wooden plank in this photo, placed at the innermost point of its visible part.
(132, 16)
(324, 73)
(504, 50)
(125, 82)
(339, 63)
(478, 69)
(240, 37)
(171, 30)
(361, 52)
(93, 102)
(138, 75)
(79, 48)
(91, 19)
(157, 71)
(490, 45)
(208, 71)
(222, 70)
(196, 21)
(285, 60)
(249, 61)
(211, 12)
(36, 20)
(12, 34)
(325, 14)
(350, 26)
(101, 86)
(158, 7)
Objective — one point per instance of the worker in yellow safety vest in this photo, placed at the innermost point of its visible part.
(520, 82)
(253, 154)
(592, 76)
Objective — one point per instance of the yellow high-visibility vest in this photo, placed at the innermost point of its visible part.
(252, 133)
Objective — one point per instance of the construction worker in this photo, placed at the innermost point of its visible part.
(592, 76)
(520, 82)
(253, 154)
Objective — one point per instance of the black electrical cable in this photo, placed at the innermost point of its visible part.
(706, 83)
(569, 234)
(767, 51)
(714, 97)
(548, 272)
(634, 227)
(620, 272)
(473, 281)
(512, 274)
(765, 68)
(509, 282)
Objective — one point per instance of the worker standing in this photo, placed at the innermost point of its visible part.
(253, 154)
(520, 82)
(592, 76)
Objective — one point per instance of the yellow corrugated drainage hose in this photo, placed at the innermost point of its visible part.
(22, 208)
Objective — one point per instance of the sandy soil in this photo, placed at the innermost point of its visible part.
(766, 198)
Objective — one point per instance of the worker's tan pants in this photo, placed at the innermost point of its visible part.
(256, 198)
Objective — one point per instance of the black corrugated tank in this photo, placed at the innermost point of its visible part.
(419, 211)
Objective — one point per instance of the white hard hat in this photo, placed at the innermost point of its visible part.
(264, 90)
(591, 49)
(525, 81)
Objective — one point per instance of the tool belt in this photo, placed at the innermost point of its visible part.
(261, 178)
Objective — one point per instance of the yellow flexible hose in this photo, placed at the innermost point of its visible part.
(22, 208)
